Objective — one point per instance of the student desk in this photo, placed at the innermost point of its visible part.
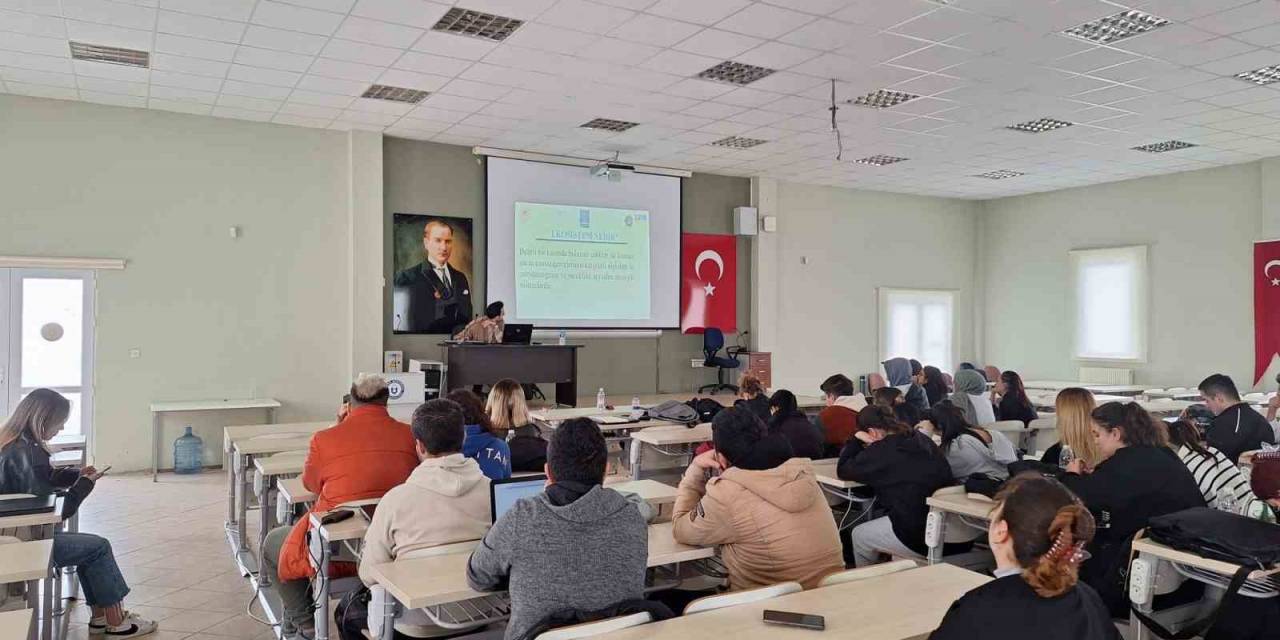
(290, 492)
(1059, 385)
(898, 606)
(670, 440)
(943, 504)
(29, 562)
(158, 409)
(17, 624)
(1188, 564)
(433, 581)
(832, 485)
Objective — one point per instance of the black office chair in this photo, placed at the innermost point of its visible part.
(712, 343)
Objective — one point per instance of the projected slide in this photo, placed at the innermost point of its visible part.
(590, 263)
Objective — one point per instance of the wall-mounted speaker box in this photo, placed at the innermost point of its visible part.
(769, 223)
(745, 221)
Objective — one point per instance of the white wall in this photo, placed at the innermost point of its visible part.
(266, 314)
(1200, 227)
(856, 241)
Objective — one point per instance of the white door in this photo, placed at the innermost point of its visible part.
(47, 339)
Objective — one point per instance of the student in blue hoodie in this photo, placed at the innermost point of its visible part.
(489, 451)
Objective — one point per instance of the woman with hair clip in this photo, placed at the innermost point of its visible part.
(25, 468)
(971, 450)
(1071, 411)
(1013, 403)
(1136, 478)
(904, 468)
(1038, 532)
(509, 416)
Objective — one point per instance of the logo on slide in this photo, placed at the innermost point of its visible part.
(396, 389)
(584, 218)
(627, 220)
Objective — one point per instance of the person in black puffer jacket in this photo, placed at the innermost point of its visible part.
(790, 423)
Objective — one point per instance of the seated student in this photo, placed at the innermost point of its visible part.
(752, 396)
(791, 423)
(1011, 399)
(1072, 408)
(902, 375)
(577, 545)
(971, 396)
(839, 419)
(482, 444)
(969, 366)
(25, 468)
(766, 512)
(893, 399)
(971, 450)
(509, 415)
(935, 385)
(904, 468)
(445, 500)
(1237, 427)
(360, 458)
(486, 328)
(1136, 479)
(1220, 481)
(1038, 531)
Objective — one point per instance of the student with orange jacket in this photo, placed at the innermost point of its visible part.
(362, 457)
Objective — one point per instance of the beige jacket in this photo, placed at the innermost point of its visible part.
(445, 500)
(774, 526)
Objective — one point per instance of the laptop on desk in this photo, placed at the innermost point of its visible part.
(517, 334)
(504, 493)
(28, 506)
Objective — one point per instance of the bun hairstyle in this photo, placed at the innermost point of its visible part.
(877, 417)
(750, 385)
(1049, 527)
(1133, 421)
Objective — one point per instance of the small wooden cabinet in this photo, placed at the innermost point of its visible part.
(758, 364)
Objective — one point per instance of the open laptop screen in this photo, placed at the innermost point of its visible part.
(504, 493)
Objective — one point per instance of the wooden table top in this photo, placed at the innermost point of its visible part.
(674, 434)
(651, 491)
(282, 463)
(906, 604)
(22, 561)
(273, 443)
(216, 404)
(16, 624)
(825, 470)
(293, 492)
(1151, 547)
(421, 582)
(961, 504)
(236, 433)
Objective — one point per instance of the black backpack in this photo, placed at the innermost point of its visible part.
(707, 408)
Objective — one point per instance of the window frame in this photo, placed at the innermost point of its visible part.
(1139, 305)
(883, 295)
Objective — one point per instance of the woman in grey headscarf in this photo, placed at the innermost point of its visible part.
(971, 396)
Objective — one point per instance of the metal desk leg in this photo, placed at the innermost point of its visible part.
(46, 609)
(243, 464)
(935, 533)
(637, 452)
(322, 589)
(228, 463)
(155, 445)
(33, 603)
(264, 521)
(271, 416)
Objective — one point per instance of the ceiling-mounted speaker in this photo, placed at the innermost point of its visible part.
(745, 221)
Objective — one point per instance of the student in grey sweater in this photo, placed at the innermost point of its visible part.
(971, 450)
(577, 545)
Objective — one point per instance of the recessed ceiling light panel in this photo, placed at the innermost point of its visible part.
(1265, 75)
(1114, 28)
(606, 124)
(110, 55)
(477, 24)
(879, 160)
(1039, 126)
(1000, 174)
(394, 94)
(735, 73)
(1162, 147)
(735, 142)
(883, 99)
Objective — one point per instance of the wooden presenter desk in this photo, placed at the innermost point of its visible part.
(473, 364)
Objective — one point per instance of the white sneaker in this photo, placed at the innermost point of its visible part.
(132, 627)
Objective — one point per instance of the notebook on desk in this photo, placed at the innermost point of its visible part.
(612, 419)
(28, 506)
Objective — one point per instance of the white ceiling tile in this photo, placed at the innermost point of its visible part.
(760, 117)
(469, 89)
(713, 110)
(585, 16)
(943, 24)
(378, 32)
(185, 24)
(718, 44)
(191, 66)
(114, 99)
(282, 40)
(322, 84)
(186, 81)
(436, 114)
(412, 80)
(294, 18)
(254, 90)
(336, 6)
(523, 9)
(42, 91)
(109, 35)
(34, 44)
(680, 63)
(1204, 52)
(1244, 62)
(786, 82)
(549, 38)
(621, 51)
(33, 24)
(429, 63)
(777, 55)
(301, 121)
(263, 76)
(360, 52)
(245, 102)
(110, 71)
(934, 58)
(453, 46)
(883, 15)
(647, 29)
(113, 13)
(929, 84)
(699, 89)
(1096, 58)
(38, 77)
(702, 12)
(764, 21)
(385, 107)
(454, 103)
(829, 34)
(34, 62)
(266, 58)
(1267, 36)
(180, 106)
(317, 98)
(313, 111)
(723, 128)
(238, 10)
(1243, 18)
(746, 97)
(102, 85)
(194, 48)
(412, 13)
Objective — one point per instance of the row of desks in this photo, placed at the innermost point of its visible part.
(30, 563)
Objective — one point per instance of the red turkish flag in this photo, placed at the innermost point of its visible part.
(708, 282)
(1266, 305)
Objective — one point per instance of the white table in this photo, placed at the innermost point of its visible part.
(17, 624)
(1059, 385)
(673, 440)
(946, 503)
(28, 562)
(832, 485)
(158, 409)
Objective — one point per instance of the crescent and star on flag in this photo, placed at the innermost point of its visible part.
(1266, 271)
(709, 289)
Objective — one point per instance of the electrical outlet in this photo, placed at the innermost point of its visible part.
(695, 363)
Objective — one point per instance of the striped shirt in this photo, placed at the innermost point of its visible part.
(1215, 473)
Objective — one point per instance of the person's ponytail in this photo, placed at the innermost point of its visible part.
(1056, 571)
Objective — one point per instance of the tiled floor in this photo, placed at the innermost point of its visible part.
(169, 541)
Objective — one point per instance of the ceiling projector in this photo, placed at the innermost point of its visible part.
(611, 170)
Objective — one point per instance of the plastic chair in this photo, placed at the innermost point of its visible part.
(876, 381)
(950, 380)
(873, 571)
(586, 630)
(1046, 434)
(735, 598)
(1255, 398)
(992, 373)
(1006, 426)
(712, 343)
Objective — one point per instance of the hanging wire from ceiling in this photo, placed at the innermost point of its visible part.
(835, 127)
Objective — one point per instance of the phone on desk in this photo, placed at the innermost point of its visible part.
(790, 619)
(336, 516)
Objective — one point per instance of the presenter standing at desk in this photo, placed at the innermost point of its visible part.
(439, 295)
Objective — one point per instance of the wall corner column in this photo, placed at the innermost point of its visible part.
(764, 269)
(364, 251)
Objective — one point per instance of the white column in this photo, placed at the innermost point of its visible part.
(764, 270)
(364, 251)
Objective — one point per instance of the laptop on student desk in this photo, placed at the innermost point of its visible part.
(504, 493)
(517, 333)
(28, 506)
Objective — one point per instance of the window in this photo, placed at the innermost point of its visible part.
(1110, 303)
(917, 323)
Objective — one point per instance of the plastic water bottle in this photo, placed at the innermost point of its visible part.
(564, 337)
(636, 411)
(188, 453)
(1226, 501)
(1065, 456)
(600, 399)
